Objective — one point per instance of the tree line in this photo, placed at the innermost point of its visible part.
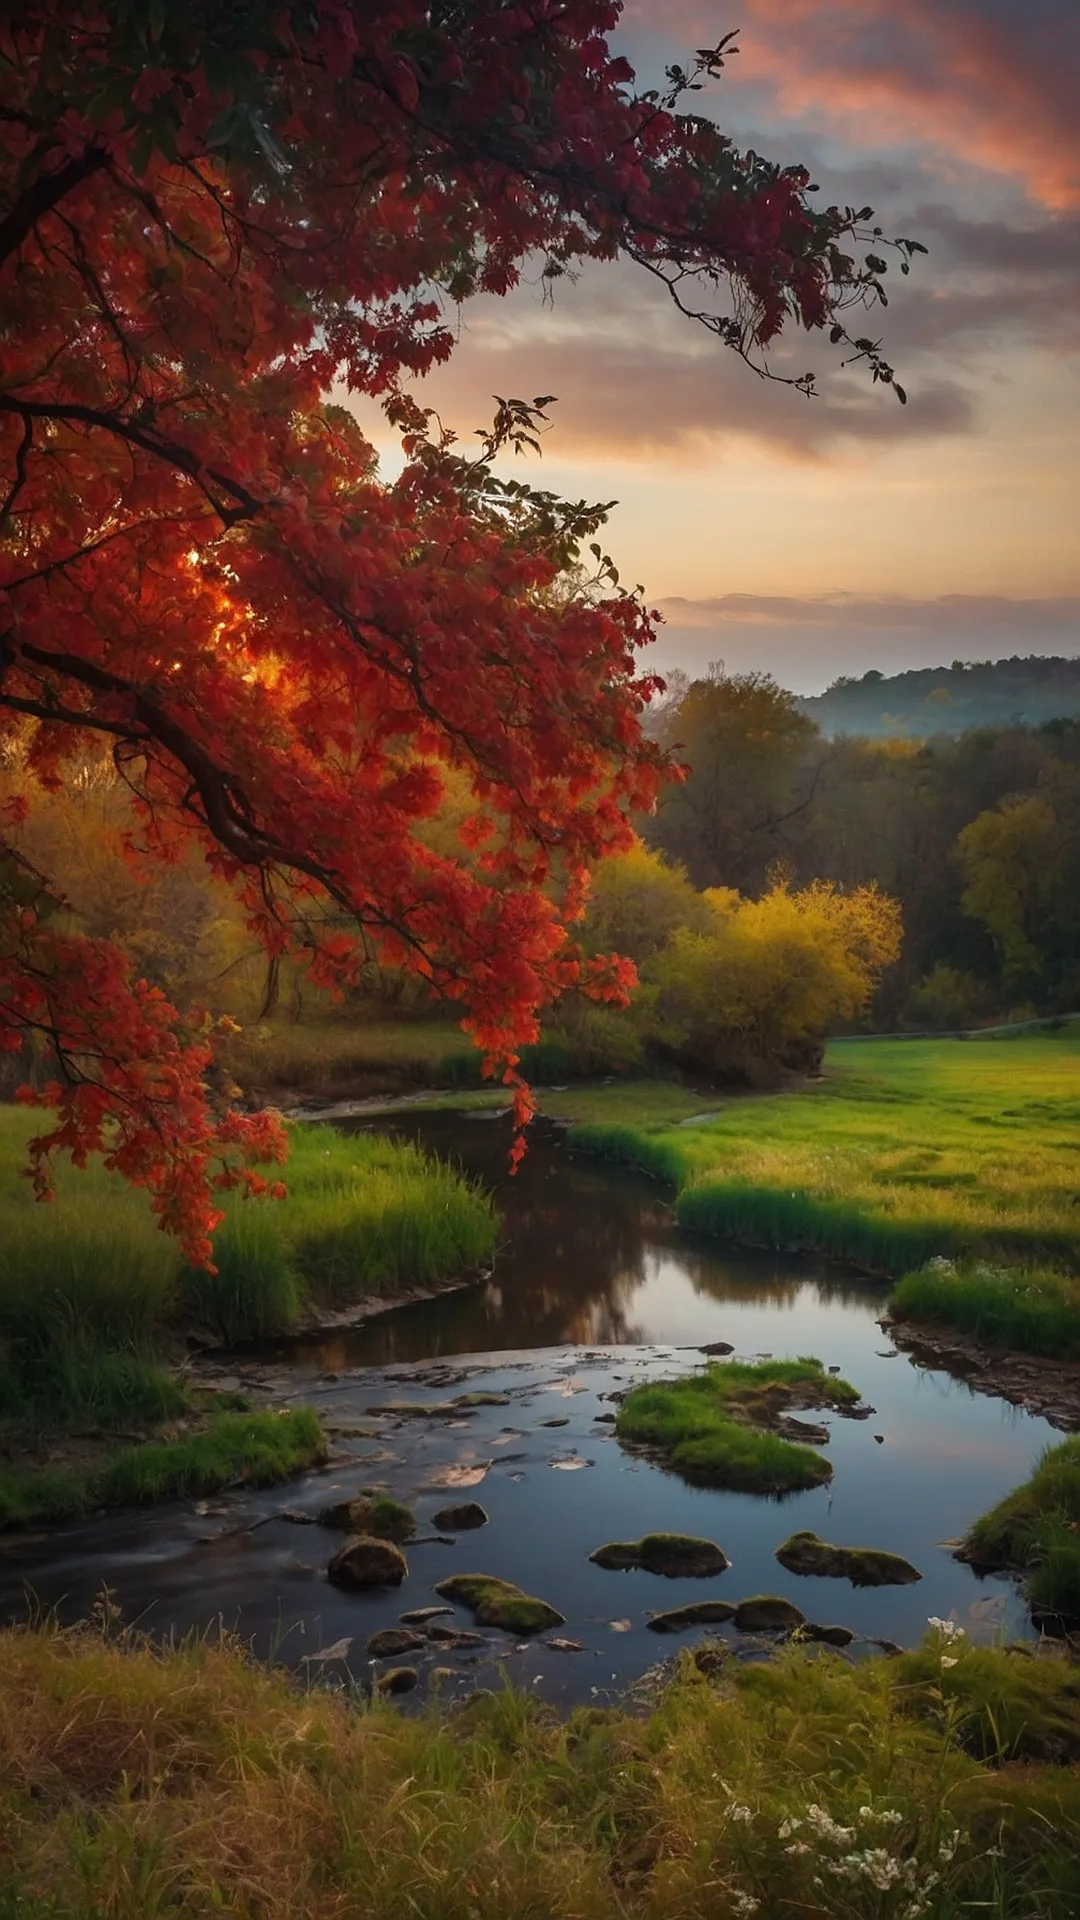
(976, 837)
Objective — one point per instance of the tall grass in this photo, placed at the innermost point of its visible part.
(713, 1426)
(136, 1784)
(904, 1150)
(90, 1285)
(1030, 1310)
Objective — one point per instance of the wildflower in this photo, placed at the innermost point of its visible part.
(827, 1828)
(949, 1845)
(799, 1846)
(788, 1827)
(948, 1629)
(888, 1816)
(744, 1904)
(948, 1659)
(741, 1814)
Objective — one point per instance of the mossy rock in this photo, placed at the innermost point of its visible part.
(700, 1613)
(460, 1519)
(863, 1566)
(825, 1636)
(441, 1636)
(392, 1642)
(466, 1400)
(497, 1603)
(367, 1562)
(370, 1513)
(675, 1555)
(767, 1613)
(397, 1680)
(419, 1616)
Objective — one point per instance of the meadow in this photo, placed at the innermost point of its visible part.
(137, 1782)
(903, 1150)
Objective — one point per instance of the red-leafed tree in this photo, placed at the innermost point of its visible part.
(213, 216)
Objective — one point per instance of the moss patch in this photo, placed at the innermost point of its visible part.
(700, 1613)
(767, 1613)
(496, 1603)
(675, 1555)
(717, 1426)
(863, 1566)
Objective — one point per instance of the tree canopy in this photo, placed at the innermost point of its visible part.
(214, 218)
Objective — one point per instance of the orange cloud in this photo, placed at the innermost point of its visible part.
(983, 80)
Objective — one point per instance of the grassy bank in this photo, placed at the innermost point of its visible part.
(1035, 1532)
(93, 1294)
(1026, 1310)
(137, 1784)
(904, 1150)
(250, 1449)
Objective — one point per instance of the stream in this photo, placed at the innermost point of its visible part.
(593, 1289)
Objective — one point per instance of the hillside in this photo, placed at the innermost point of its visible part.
(932, 700)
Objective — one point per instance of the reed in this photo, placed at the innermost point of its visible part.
(1035, 1532)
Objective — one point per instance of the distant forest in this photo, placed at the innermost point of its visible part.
(932, 700)
(976, 834)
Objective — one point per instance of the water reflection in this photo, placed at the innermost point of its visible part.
(590, 1256)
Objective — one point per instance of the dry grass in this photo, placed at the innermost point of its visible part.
(135, 1785)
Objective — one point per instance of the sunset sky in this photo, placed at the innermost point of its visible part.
(813, 537)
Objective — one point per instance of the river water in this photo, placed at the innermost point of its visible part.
(594, 1287)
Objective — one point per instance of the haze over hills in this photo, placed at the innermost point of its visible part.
(931, 700)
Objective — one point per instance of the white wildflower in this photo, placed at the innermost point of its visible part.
(887, 1816)
(788, 1827)
(948, 1629)
(948, 1659)
(827, 1828)
(744, 1905)
(948, 1846)
(799, 1846)
(741, 1814)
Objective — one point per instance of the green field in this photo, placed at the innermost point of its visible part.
(903, 1150)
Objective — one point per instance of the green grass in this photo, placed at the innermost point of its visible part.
(137, 1783)
(905, 1149)
(1031, 1310)
(254, 1449)
(1035, 1531)
(362, 1215)
(712, 1427)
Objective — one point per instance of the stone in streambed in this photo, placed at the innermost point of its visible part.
(863, 1566)
(826, 1636)
(366, 1562)
(419, 1616)
(767, 1613)
(460, 1519)
(675, 1555)
(699, 1613)
(397, 1680)
(441, 1636)
(370, 1513)
(393, 1641)
(497, 1603)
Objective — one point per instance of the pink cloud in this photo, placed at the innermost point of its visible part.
(985, 81)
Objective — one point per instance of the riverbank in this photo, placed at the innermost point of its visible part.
(98, 1311)
(136, 1780)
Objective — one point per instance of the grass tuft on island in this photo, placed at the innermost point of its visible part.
(1035, 1533)
(138, 1780)
(250, 1449)
(712, 1427)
